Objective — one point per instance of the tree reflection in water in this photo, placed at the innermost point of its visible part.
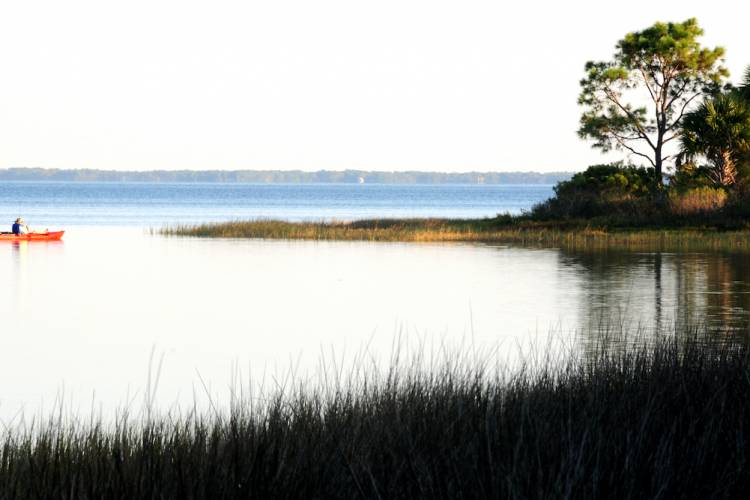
(628, 296)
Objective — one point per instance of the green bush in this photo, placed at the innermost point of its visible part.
(612, 189)
(690, 176)
(613, 179)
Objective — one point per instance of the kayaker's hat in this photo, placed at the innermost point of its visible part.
(19, 220)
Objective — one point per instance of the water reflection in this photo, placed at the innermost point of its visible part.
(674, 293)
(87, 312)
(20, 253)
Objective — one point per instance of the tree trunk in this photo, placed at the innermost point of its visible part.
(661, 122)
(658, 180)
(728, 169)
(657, 171)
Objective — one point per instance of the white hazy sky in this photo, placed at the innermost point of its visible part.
(284, 84)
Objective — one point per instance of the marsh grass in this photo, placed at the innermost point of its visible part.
(572, 234)
(651, 421)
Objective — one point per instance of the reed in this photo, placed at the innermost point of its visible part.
(502, 230)
(662, 421)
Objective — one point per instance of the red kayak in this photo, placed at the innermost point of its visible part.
(48, 236)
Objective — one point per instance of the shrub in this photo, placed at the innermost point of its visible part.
(690, 175)
(701, 200)
(600, 190)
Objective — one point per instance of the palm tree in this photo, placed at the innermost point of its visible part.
(719, 130)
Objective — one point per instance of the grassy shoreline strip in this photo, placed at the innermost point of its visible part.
(477, 230)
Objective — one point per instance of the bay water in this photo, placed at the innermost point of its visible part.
(87, 319)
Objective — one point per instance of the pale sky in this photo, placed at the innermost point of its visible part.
(301, 84)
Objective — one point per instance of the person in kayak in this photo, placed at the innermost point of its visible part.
(20, 227)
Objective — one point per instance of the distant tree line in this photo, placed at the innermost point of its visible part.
(281, 176)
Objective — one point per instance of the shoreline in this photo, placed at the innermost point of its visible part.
(503, 229)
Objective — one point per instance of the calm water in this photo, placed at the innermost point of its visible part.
(81, 317)
(156, 204)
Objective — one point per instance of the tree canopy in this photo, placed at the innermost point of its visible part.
(719, 130)
(635, 102)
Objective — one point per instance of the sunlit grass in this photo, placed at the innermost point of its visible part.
(571, 234)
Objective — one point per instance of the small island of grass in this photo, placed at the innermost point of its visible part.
(500, 230)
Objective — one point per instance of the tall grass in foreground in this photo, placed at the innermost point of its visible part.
(666, 421)
(503, 229)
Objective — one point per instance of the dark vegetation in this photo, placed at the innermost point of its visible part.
(666, 421)
(623, 196)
